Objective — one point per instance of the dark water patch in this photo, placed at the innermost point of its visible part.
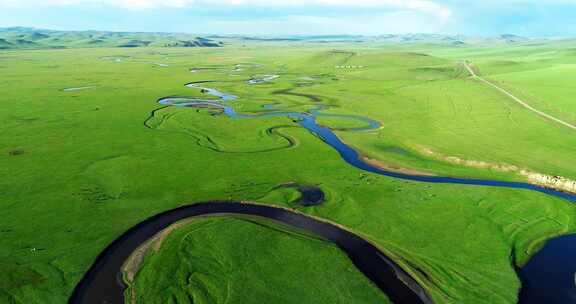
(550, 275)
(103, 282)
(309, 195)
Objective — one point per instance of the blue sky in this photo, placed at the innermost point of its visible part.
(301, 17)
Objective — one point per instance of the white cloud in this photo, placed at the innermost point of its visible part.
(398, 22)
(130, 4)
(426, 6)
(379, 16)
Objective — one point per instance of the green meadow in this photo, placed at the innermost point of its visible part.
(82, 166)
(245, 261)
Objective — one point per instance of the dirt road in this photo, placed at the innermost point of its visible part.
(516, 99)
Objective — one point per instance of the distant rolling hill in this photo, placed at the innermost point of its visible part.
(455, 40)
(31, 38)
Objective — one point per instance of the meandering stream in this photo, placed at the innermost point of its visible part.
(103, 281)
(559, 277)
(348, 154)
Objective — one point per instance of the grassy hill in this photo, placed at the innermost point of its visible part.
(33, 38)
(30, 38)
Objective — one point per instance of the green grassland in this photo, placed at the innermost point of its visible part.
(428, 103)
(237, 260)
(213, 132)
(81, 167)
(541, 73)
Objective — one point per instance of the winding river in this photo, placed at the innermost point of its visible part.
(103, 281)
(348, 154)
(532, 279)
